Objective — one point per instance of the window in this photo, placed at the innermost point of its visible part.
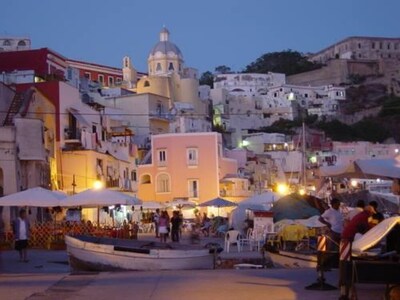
(133, 175)
(373, 45)
(110, 81)
(171, 66)
(380, 45)
(193, 188)
(145, 179)
(21, 43)
(388, 46)
(101, 79)
(158, 68)
(359, 46)
(192, 156)
(162, 157)
(163, 185)
(7, 43)
(146, 83)
(88, 75)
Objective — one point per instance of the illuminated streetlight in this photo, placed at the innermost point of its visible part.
(354, 183)
(97, 185)
(245, 143)
(302, 192)
(282, 189)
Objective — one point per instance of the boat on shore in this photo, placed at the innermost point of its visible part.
(88, 253)
(293, 259)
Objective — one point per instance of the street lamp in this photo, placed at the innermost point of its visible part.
(98, 185)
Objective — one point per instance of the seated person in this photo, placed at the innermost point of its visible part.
(205, 229)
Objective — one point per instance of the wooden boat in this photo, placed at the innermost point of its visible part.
(107, 254)
(293, 259)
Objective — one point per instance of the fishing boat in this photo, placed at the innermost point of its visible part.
(293, 259)
(107, 254)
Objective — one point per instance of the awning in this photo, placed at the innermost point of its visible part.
(82, 121)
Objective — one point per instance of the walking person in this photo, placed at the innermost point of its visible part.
(333, 218)
(21, 228)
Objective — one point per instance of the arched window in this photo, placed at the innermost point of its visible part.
(146, 83)
(7, 43)
(158, 68)
(171, 67)
(163, 184)
(145, 179)
(21, 43)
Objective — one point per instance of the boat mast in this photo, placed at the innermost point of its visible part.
(303, 156)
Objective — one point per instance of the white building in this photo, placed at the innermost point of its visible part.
(14, 43)
(316, 100)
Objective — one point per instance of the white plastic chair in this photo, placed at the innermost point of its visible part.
(257, 239)
(232, 237)
(247, 240)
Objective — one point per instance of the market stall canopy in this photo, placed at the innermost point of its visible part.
(100, 197)
(312, 222)
(260, 202)
(293, 207)
(35, 197)
(218, 202)
(384, 204)
(389, 168)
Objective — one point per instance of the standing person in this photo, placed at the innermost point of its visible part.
(377, 217)
(176, 222)
(359, 224)
(333, 218)
(156, 218)
(21, 229)
(162, 227)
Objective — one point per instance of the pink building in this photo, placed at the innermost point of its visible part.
(184, 165)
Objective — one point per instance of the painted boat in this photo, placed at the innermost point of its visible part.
(107, 254)
(293, 259)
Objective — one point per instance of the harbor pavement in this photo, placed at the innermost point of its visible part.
(47, 276)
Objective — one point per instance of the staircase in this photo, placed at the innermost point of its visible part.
(14, 108)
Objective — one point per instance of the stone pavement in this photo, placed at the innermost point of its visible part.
(47, 277)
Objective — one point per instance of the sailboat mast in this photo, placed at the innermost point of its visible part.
(303, 156)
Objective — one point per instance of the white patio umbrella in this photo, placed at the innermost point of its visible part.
(35, 197)
(182, 203)
(149, 205)
(100, 197)
(218, 202)
(96, 198)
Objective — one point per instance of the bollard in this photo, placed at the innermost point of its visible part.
(322, 256)
(344, 261)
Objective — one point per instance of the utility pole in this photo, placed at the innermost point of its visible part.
(73, 184)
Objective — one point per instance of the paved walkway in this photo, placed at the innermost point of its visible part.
(47, 277)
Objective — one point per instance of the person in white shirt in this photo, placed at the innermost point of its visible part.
(21, 230)
(333, 218)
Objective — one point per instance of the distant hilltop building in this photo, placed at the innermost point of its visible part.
(360, 48)
(14, 43)
(355, 60)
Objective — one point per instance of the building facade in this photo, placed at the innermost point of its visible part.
(186, 165)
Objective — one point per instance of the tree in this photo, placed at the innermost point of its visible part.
(207, 78)
(288, 62)
(223, 69)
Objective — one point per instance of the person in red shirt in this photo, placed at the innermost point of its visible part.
(359, 224)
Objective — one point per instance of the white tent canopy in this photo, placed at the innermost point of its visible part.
(100, 197)
(261, 202)
(35, 197)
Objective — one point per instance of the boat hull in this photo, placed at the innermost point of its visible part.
(95, 256)
(288, 259)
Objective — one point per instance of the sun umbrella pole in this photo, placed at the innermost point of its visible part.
(98, 216)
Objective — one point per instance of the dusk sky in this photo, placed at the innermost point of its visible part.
(208, 32)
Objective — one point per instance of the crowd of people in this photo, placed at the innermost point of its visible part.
(345, 227)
